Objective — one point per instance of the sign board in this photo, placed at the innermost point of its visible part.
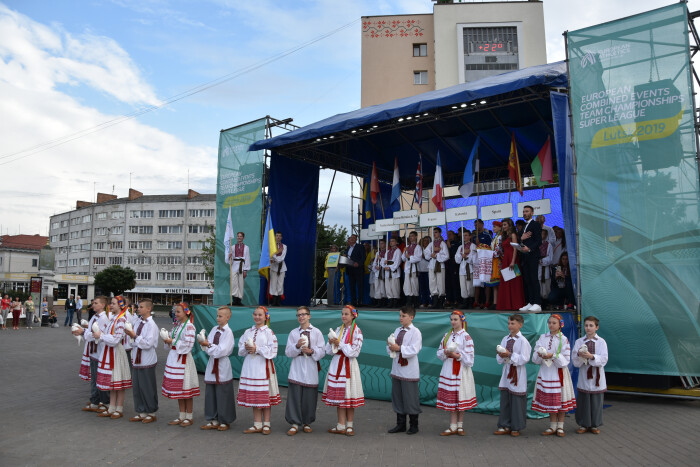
(463, 213)
(172, 290)
(370, 233)
(541, 206)
(386, 225)
(497, 211)
(431, 219)
(406, 217)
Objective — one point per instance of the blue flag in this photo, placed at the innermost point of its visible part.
(396, 188)
(467, 187)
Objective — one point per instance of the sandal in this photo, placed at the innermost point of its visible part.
(186, 422)
(177, 421)
(116, 415)
(137, 418)
(105, 414)
(560, 432)
(581, 430)
(252, 429)
(548, 432)
(448, 432)
(349, 431)
(292, 431)
(460, 431)
(266, 430)
(336, 431)
(223, 427)
(209, 426)
(307, 429)
(502, 431)
(149, 419)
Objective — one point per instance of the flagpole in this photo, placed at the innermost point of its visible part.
(230, 274)
(381, 201)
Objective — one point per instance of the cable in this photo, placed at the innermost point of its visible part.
(177, 97)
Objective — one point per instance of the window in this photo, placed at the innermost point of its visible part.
(75, 234)
(35, 263)
(420, 50)
(490, 66)
(54, 238)
(169, 229)
(199, 229)
(115, 260)
(141, 229)
(143, 276)
(140, 214)
(99, 245)
(85, 261)
(169, 276)
(116, 245)
(100, 260)
(197, 276)
(201, 212)
(87, 218)
(169, 260)
(63, 237)
(171, 213)
(420, 77)
(74, 248)
(117, 214)
(117, 230)
(195, 245)
(75, 221)
(169, 245)
(100, 230)
(140, 245)
(85, 233)
(61, 263)
(195, 260)
(85, 247)
(62, 250)
(138, 260)
(101, 216)
(73, 262)
(64, 223)
(55, 225)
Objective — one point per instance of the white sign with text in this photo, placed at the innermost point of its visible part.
(385, 225)
(497, 211)
(463, 213)
(406, 217)
(431, 219)
(541, 206)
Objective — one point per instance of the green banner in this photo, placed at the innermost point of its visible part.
(239, 188)
(486, 329)
(637, 187)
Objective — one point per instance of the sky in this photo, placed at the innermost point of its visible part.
(68, 68)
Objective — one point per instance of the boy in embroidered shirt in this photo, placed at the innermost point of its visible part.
(144, 339)
(98, 399)
(219, 402)
(591, 379)
(513, 385)
(405, 372)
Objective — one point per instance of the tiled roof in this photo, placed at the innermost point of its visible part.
(23, 242)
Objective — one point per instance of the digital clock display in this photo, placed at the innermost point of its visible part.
(491, 47)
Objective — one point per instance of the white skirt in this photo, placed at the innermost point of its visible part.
(190, 380)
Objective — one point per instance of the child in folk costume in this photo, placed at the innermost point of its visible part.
(219, 401)
(305, 346)
(436, 252)
(513, 353)
(278, 269)
(88, 366)
(554, 392)
(591, 379)
(180, 379)
(456, 389)
(113, 373)
(144, 338)
(343, 387)
(378, 273)
(412, 255)
(258, 384)
(131, 318)
(391, 265)
(405, 371)
(466, 254)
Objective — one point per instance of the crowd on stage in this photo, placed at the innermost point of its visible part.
(518, 266)
(120, 355)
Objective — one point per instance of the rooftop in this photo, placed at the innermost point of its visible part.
(23, 242)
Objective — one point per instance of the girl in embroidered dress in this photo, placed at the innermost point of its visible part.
(343, 388)
(113, 373)
(180, 379)
(456, 390)
(257, 387)
(554, 392)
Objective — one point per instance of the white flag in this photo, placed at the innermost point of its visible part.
(228, 238)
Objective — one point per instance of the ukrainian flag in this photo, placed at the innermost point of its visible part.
(269, 247)
(368, 207)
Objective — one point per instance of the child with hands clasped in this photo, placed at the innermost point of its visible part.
(554, 392)
(98, 399)
(144, 336)
(219, 402)
(258, 384)
(343, 388)
(590, 354)
(456, 389)
(180, 380)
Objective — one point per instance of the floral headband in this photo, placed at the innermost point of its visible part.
(558, 316)
(352, 309)
(187, 310)
(121, 302)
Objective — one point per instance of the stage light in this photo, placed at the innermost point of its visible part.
(454, 106)
(401, 119)
(374, 126)
(331, 137)
(463, 105)
(318, 139)
(408, 118)
(425, 114)
(473, 103)
(482, 102)
(417, 116)
(354, 131)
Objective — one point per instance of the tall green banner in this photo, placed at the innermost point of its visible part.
(638, 194)
(238, 190)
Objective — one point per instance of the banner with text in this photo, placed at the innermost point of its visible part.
(637, 186)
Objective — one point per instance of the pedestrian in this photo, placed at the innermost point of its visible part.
(29, 312)
(70, 309)
(16, 313)
(79, 309)
(5, 308)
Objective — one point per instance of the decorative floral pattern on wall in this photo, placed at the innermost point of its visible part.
(389, 29)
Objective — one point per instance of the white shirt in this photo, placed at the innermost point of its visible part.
(130, 318)
(395, 268)
(410, 347)
(304, 368)
(598, 362)
(245, 258)
(146, 342)
(551, 238)
(220, 352)
(102, 321)
(442, 255)
(545, 261)
(467, 262)
(520, 356)
(279, 259)
(411, 262)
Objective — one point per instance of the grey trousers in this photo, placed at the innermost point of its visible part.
(589, 409)
(301, 404)
(29, 319)
(219, 403)
(145, 390)
(405, 397)
(96, 396)
(513, 411)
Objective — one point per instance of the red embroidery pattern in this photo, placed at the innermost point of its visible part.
(391, 29)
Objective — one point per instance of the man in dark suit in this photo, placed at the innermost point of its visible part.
(355, 270)
(531, 239)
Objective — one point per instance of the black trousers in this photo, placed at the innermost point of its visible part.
(357, 286)
(530, 264)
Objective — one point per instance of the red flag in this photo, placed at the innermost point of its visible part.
(438, 199)
(546, 161)
(514, 166)
(374, 184)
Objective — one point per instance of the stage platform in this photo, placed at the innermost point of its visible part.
(486, 328)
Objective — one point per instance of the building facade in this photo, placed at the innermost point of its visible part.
(19, 261)
(161, 237)
(406, 55)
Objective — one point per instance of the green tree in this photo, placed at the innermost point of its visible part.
(326, 236)
(208, 255)
(115, 280)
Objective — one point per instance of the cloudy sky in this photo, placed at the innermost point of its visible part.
(69, 69)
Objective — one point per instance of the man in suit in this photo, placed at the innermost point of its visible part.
(531, 239)
(355, 270)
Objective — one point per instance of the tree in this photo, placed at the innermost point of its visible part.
(115, 280)
(208, 255)
(326, 236)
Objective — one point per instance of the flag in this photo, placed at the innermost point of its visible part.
(542, 165)
(374, 184)
(228, 238)
(396, 188)
(437, 186)
(268, 247)
(514, 166)
(418, 195)
(467, 187)
(367, 205)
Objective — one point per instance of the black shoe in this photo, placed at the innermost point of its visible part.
(441, 302)
(470, 303)
(434, 302)
(400, 424)
(413, 425)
